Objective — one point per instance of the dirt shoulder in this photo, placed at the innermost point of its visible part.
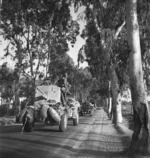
(7, 120)
(103, 139)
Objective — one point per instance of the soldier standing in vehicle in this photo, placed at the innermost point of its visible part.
(63, 83)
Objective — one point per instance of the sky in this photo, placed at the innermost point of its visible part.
(3, 45)
(73, 51)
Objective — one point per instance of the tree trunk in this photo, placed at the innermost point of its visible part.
(116, 106)
(16, 97)
(119, 108)
(0, 10)
(110, 107)
(139, 101)
(33, 92)
(17, 77)
(109, 100)
(117, 117)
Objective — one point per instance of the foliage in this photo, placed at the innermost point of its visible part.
(109, 15)
(81, 81)
(6, 74)
(36, 30)
(144, 23)
(5, 110)
(59, 65)
(25, 87)
(6, 81)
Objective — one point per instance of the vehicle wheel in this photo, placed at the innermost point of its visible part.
(91, 113)
(17, 119)
(81, 113)
(28, 126)
(48, 121)
(63, 123)
(76, 120)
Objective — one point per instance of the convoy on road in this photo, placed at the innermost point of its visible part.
(50, 109)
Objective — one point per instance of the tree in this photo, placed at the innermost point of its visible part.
(0, 10)
(6, 81)
(144, 22)
(140, 106)
(105, 31)
(81, 81)
(35, 31)
(60, 64)
(135, 66)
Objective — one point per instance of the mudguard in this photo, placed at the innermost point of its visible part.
(54, 114)
(29, 110)
(43, 112)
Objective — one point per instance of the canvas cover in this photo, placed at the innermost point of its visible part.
(50, 92)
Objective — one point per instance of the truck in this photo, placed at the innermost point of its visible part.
(49, 108)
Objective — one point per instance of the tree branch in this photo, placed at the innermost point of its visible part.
(93, 12)
(37, 68)
(119, 30)
(25, 37)
(26, 74)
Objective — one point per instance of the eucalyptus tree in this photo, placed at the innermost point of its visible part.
(0, 9)
(144, 23)
(105, 31)
(81, 81)
(115, 10)
(20, 27)
(35, 29)
(60, 64)
(139, 100)
(42, 27)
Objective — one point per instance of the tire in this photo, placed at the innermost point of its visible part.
(81, 113)
(48, 121)
(28, 127)
(76, 120)
(91, 112)
(17, 119)
(63, 123)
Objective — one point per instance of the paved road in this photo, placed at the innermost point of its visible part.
(93, 137)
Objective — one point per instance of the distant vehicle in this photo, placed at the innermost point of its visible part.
(87, 108)
(49, 108)
(75, 102)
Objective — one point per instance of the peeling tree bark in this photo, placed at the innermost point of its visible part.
(139, 101)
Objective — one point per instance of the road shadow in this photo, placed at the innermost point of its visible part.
(10, 129)
(29, 141)
(46, 130)
(86, 123)
(98, 154)
(16, 128)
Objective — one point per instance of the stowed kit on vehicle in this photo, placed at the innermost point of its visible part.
(50, 109)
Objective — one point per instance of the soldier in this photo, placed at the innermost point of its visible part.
(66, 83)
(65, 86)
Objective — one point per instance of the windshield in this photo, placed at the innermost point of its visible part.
(51, 92)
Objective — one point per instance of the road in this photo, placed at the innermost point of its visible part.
(94, 137)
